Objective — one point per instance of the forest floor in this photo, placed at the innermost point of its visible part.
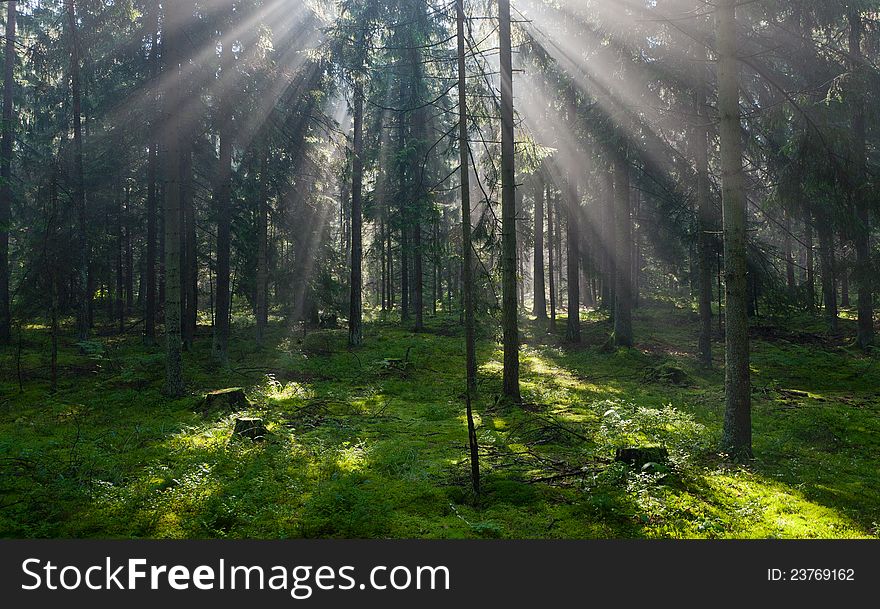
(372, 443)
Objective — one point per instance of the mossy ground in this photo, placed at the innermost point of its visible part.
(372, 442)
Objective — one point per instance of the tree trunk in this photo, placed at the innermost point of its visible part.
(355, 332)
(189, 267)
(6, 174)
(466, 249)
(623, 335)
(119, 301)
(737, 433)
(826, 263)
(573, 238)
(551, 271)
(223, 205)
(129, 255)
(150, 298)
(608, 258)
(700, 139)
(809, 263)
(175, 18)
(403, 216)
(540, 305)
(863, 275)
(79, 200)
(789, 258)
(262, 295)
(508, 211)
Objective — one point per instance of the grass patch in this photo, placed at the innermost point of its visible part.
(372, 442)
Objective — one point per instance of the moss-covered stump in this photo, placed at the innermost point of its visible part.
(232, 399)
(669, 374)
(250, 428)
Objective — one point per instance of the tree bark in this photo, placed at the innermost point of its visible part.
(573, 238)
(262, 295)
(150, 287)
(551, 271)
(6, 173)
(623, 335)
(789, 258)
(700, 142)
(189, 266)
(223, 206)
(508, 212)
(809, 263)
(540, 297)
(737, 432)
(355, 331)
(466, 250)
(827, 266)
(175, 17)
(863, 275)
(79, 196)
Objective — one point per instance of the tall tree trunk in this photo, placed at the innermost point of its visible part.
(6, 174)
(262, 296)
(403, 212)
(175, 18)
(466, 249)
(607, 221)
(355, 332)
(789, 258)
(223, 205)
(737, 433)
(863, 275)
(623, 335)
(635, 273)
(119, 301)
(79, 196)
(700, 142)
(551, 271)
(809, 263)
(149, 296)
(827, 265)
(540, 297)
(573, 238)
(508, 212)
(418, 172)
(129, 255)
(189, 267)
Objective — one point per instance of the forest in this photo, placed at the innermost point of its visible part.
(439, 269)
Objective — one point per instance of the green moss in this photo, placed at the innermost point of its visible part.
(373, 442)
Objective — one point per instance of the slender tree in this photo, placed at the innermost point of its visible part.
(861, 225)
(79, 194)
(467, 248)
(355, 330)
(540, 297)
(6, 173)
(508, 211)
(623, 301)
(700, 151)
(737, 434)
(175, 18)
(551, 259)
(573, 239)
(150, 295)
(262, 295)
(223, 206)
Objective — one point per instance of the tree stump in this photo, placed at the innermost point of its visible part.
(250, 428)
(638, 457)
(232, 399)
